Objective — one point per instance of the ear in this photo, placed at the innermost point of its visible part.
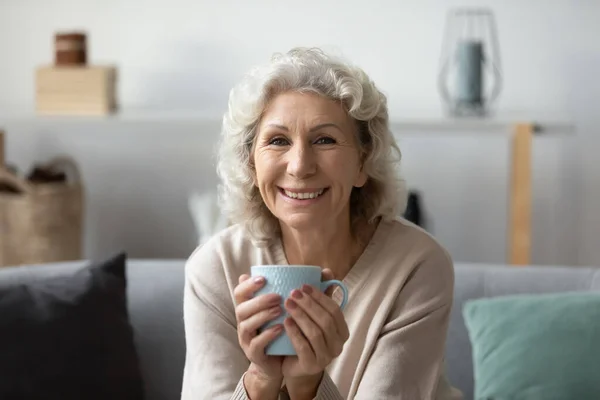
(361, 178)
(253, 173)
(252, 169)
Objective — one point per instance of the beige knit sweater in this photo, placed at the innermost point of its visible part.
(400, 296)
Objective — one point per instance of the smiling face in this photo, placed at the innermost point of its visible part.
(307, 161)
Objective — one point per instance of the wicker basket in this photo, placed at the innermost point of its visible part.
(41, 222)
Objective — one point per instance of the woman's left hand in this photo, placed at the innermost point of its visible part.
(318, 331)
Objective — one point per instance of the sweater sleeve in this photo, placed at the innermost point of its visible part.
(328, 390)
(407, 361)
(214, 363)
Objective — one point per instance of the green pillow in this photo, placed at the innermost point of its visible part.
(536, 346)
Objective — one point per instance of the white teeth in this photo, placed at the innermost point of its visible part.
(303, 196)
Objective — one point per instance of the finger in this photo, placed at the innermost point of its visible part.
(311, 331)
(248, 327)
(303, 348)
(256, 348)
(328, 275)
(331, 307)
(321, 317)
(247, 287)
(257, 304)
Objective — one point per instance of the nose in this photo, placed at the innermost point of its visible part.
(301, 161)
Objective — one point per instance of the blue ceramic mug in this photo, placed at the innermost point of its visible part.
(282, 279)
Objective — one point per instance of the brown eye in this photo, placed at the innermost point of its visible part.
(325, 140)
(278, 142)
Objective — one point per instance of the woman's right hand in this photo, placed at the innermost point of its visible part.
(251, 313)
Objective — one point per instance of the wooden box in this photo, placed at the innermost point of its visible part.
(76, 90)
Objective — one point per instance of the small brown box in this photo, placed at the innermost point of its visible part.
(70, 49)
(76, 90)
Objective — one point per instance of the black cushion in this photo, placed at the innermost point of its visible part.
(69, 337)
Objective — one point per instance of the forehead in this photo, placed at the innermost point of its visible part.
(294, 107)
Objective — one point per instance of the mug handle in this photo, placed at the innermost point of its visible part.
(326, 284)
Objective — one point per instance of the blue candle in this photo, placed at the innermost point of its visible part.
(469, 90)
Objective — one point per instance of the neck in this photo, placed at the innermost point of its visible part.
(332, 247)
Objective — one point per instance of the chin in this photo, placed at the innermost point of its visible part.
(301, 223)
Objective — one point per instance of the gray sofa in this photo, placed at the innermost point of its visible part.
(155, 304)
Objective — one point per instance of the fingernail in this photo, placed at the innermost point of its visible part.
(296, 294)
(307, 289)
(259, 280)
(278, 328)
(276, 311)
(290, 322)
(292, 304)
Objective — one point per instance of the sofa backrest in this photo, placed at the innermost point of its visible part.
(474, 281)
(155, 299)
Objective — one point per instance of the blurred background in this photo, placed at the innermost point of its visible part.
(143, 165)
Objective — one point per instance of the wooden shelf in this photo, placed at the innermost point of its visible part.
(423, 122)
(140, 116)
(520, 127)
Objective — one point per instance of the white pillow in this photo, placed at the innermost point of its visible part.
(206, 214)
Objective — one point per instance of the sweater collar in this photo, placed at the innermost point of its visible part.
(357, 275)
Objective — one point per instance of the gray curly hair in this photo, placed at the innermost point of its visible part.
(307, 70)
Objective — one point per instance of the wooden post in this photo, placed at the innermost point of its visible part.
(519, 229)
(1, 149)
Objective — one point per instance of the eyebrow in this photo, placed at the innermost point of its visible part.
(313, 129)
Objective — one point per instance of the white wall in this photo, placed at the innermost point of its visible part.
(187, 54)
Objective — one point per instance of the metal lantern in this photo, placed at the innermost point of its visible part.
(470, 72)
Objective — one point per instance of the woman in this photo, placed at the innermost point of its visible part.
(308, 167)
